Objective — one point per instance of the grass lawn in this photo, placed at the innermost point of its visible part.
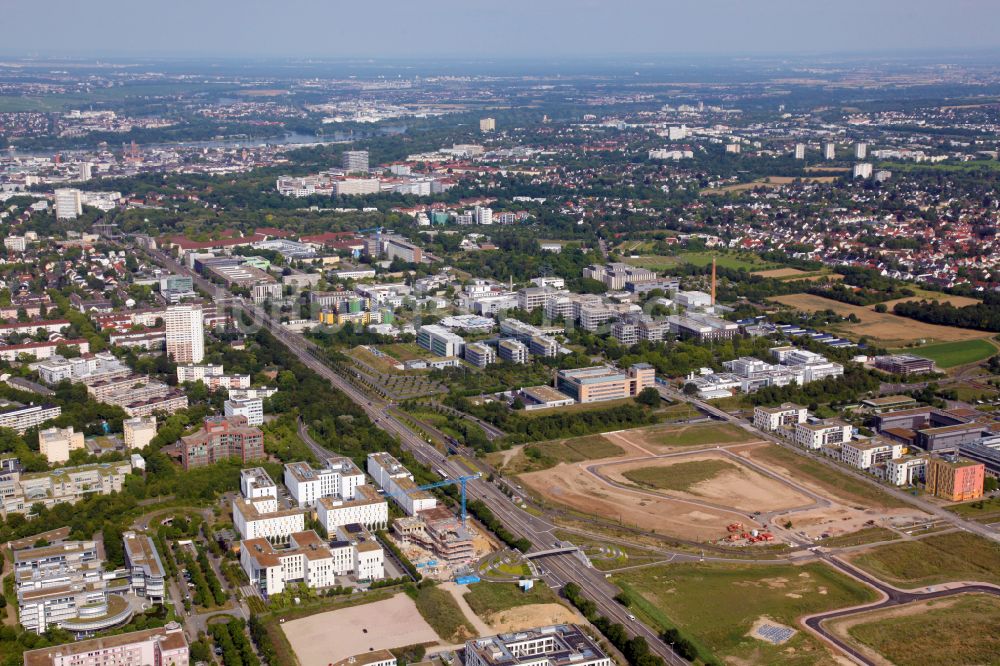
(950, 354)
(576, 407)
(678, 411)
(981, 511)
(442, 613)
(940, 558)
(487, 599)
(837, 483)
(938, 634)
(680, 476)
(700, 435)
(404, 351)
(716, 605)
(867, 535)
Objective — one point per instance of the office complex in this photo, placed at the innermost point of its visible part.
(605, 382)
(252, 409)
(397, 482)
(440, 341)
(185, 326)
(904, 364)
(257, 515)
(339, 477)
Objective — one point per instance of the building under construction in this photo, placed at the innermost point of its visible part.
(439, 531)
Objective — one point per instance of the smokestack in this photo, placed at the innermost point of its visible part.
(713, 282)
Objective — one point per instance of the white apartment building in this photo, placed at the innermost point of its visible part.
(625, 333)
(906, 470)
(829, 150)
(368, 508)
(774, 418)
(68, 204)
(860, 150)
(185, 330)
(863, 454)
(56, 443)
(15, 243)
(251, 408)
(339, 478)
(20, 418)
(800, 151)
(165, 646)
(354, 186)
(862, 170)
(815, 436)
(397, 482)
(306, 559)
(256, 515)
(139, 432)
(483, 215)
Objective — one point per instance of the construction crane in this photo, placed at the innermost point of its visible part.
(461, 480)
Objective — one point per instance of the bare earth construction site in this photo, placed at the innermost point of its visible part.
(693, 482)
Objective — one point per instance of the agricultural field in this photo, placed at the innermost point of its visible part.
(675, 596)
(797, 274)
(928, 632)
(939, 558)
(883, 328)
(749, 262)
(950, 354)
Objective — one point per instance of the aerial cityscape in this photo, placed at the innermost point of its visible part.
(571, 333)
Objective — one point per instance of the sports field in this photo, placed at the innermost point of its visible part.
(950, 354)
(717, 605)
(929, 632)
(382, 625)
(884, 328)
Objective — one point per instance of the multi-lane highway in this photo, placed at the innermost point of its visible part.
(558, 569)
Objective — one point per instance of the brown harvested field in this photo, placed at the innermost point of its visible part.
(738, 486)
(957, 301)
(782, 273)
(811, 169)
(381, 625)
(785, 180)
(574, 487)
(884, 328)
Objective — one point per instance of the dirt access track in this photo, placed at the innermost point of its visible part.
(702, 512)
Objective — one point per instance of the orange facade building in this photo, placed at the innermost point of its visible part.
(955, 480)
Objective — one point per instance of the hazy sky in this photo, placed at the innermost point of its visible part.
(399, 28)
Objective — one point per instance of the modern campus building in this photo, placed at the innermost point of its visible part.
(480, 354)
(605, 382)
(955, 479)
(930, 428)
(557, 645)
(775, 418)
(440, 341)
(904, 364)
(185, 326)
(221, 439)
(147, 575)
(513, 351)
(355, 160)
(164, 646)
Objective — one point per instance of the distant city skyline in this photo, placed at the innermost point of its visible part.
(474, 28)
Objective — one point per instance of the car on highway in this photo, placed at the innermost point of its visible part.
(631, 617)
